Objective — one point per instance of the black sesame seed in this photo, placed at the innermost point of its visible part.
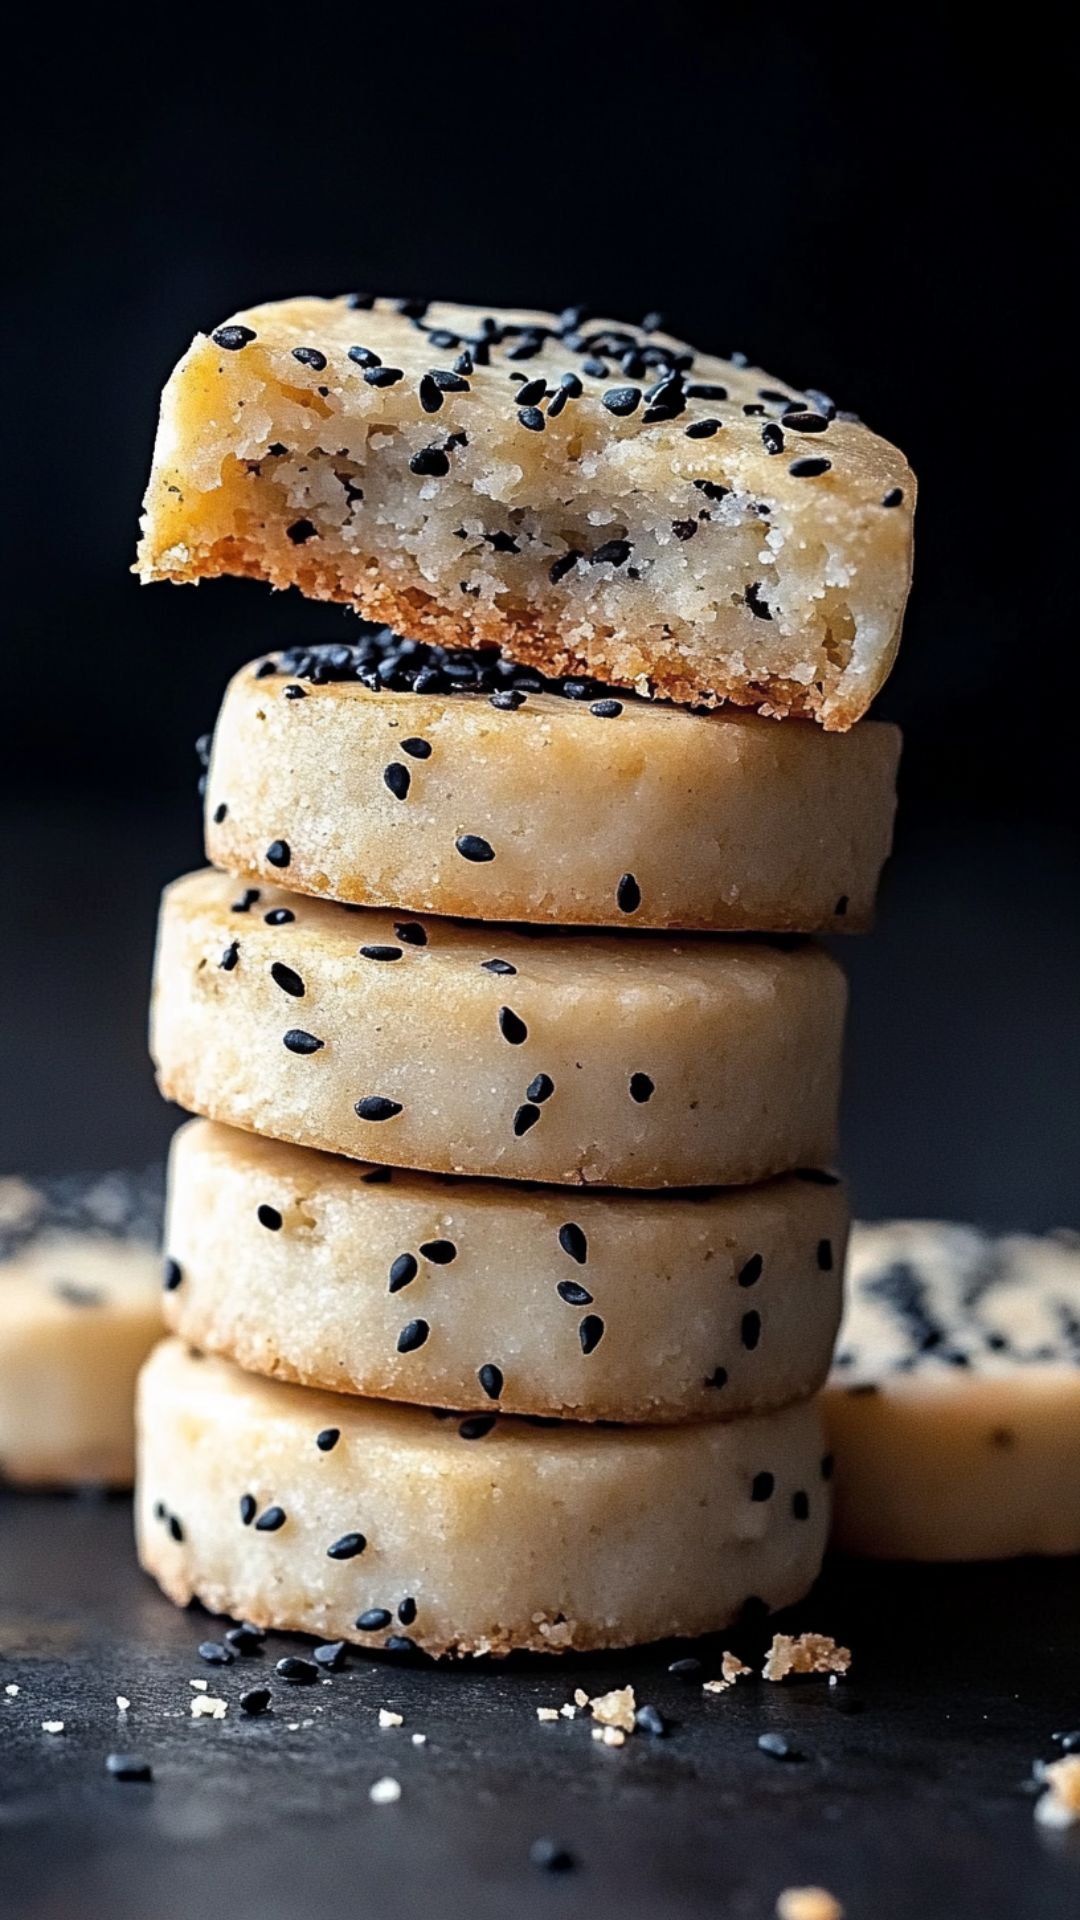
(131, 1767)
(268, 1217)
(220, 813)
(330, 1657)
(532, 418)
(374, 1620)
(808, 468)
(233, 338)
(497, 966)
(440, 1252)
(574, 1294)
(649, 1719)
(530, 391)
(477, 1426)
(416, 748)
(398, 779)
(412, 933)
(606, 709)
(346, 1547)
(327, 1438)
(825, 1255)
(702, 429)
(512, 1027)
(612, 553)
(762, 1487)
(364, 357)
(310, 357)
(508, 700)
(383, 376)
(430, 461)
(751, 1330)
(641, 1088)
(176, 1530)
(298, 1041)
(464, 362)
(172, 1275)
(894, 497)
(472, 847)
(551, 1857)
(299, 1673)
(800, 422)
(215, 1653)
(778, 1747)
(628, 894)
(772, 437)
(271, 1520)
(375, 1106)
(491, 1380)
(406, 1612)
(573, 1241)
(246, 901)
(279, 916)
(402, 1272)
(254, 1701)
(400, 1643)
(246, 1639)
(687, 1668)
(248, 1508)
(287, 979)
(750, 1274)
(705, 390)
(387, 954)
(621, 400)
(412, 1335)
(541, 1088)
(525, 1117)
(279, 854)
(430, 395)
(800, 1505)
(717, 1378)
(591, 1332)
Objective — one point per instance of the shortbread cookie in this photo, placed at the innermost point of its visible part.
(621, 1060)
(954, 1403)
(726, 821)
(389, 1525)
(589, 496)
(476, 1294)
(80, 1287)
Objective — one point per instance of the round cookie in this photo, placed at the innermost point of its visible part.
(954, 1404)
(474, 1294)
(727, 822)
(358, 1520)
(621, 1060)
(80, 1291)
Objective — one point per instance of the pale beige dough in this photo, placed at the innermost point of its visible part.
(738, 1042)
(692, 1306)
(525, 1536)
(727, 822)
(701, 568)
(954, 1404)
(80, 1309)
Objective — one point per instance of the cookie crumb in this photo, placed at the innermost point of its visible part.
(207, 1706)
(609, 1736)
(383, 1793)
(122, 1703)
(581, 1698)
(11, 1690)
(568, 1711)
(808, 1903)
(52, 1726)
(615, 1709)
(1059, 1806)
(731, 1667)
(418, 1739)
(806, 1653)
(547, 1713)
(389, 1719)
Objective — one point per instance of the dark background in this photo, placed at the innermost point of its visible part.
(860, 202)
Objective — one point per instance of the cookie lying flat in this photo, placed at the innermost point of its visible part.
(80, 1293)
(615, 1306)
(954, 1404)
(726, 821)
(617, 1060)
(362, 1521)
(588, 496)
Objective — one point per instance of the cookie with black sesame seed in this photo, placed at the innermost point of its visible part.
(719, 821)
(675, 1061)
(694, 529)
(80, 1292)
(480, 1534)
(953, 1408)
(504, 1278)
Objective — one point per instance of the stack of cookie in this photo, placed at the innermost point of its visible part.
(457, 1150)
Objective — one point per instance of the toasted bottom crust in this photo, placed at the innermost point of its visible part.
(648, 668)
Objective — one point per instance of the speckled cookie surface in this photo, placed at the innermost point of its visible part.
(80, 1288)
(954, 1403)
(362, 1521)
(476, 1294)
(726, 821)
(621, 1060)
(590, 496)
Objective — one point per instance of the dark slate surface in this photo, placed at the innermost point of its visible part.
(913, 1803)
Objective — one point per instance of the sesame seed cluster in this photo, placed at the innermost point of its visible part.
(503, 1258)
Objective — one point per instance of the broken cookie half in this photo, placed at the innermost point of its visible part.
(591, 497)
